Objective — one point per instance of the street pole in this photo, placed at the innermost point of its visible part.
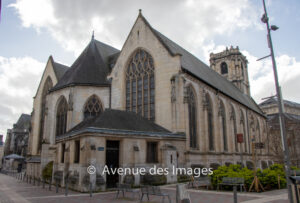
(287, 162)
(242, 160)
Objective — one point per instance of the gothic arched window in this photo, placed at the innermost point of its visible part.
(210, 123)
(242, 69)
(92, 107)
(258, 131)
(224, 68)
(192, 117)
(233, 118)
(140, 87)
(223, 124)
(47, 86)
(243, 130)
(61, 117)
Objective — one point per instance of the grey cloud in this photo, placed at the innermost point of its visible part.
(189, 22)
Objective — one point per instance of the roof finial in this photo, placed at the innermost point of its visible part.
(93, 35)
(140, 11)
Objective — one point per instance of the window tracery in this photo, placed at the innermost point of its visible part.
(61, 117)
(140, 85)
(47, 86)
(92, 107)
(192, 116)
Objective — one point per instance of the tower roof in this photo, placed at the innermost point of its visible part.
(90, 68)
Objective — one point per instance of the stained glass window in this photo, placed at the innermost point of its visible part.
(47, 86)
(92, 107)
(61, 117)
(140, 85)
(192, 117)
(223, 122)
(234, 128)
(210, 123)
(243, 130)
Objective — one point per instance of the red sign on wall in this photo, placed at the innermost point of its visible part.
(240, 137)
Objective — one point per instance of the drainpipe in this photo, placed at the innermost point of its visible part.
(110, 93)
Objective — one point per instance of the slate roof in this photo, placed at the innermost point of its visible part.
(59, 69)
(112, 120)
(288, 116)
(195, 67)
(14, 156)
(23, 122)
(122, 120)
(90, 68)
(34, 159)
(273, 100)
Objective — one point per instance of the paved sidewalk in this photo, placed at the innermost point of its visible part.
(13, 190)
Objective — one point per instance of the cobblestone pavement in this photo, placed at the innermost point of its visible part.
(13, 190)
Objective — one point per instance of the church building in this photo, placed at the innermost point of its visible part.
(150, 103)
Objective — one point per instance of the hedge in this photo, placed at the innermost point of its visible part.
(268, 177)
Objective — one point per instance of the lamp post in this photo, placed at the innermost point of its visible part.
(287, 162)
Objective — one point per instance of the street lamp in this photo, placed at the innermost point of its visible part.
(287, 162)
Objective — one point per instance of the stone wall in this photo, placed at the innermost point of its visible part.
(165, 67)
(36, 114)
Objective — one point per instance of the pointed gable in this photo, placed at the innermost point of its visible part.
(194, 66)
(53, 70)
(91, 67)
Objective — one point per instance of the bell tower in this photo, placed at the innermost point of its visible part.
(232, 65)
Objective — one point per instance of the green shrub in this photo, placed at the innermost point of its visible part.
(47, 171)
(267, 177)
(232, 171)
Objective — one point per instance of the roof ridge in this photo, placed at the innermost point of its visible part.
(188, 63)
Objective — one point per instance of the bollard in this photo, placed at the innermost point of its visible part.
(33, 180)
(50, 184)
(29, 179)
(43, 183)
(56, 187)
(235, 194)
(66, 189)
(39, 181)
(91, 189)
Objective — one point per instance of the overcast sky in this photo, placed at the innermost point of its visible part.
(31, 30)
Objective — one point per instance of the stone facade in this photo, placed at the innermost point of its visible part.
(292, 124)
(1, 150)
(270, 107)
(232, 64)
(17, 137)
(78, 148)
